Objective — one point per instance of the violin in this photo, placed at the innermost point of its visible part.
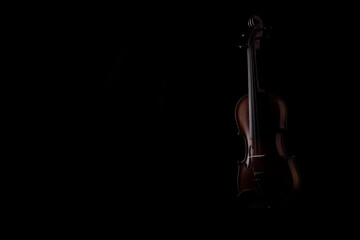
(268, 175)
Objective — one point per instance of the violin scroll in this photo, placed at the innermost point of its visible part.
(258, 32)
(255, 22)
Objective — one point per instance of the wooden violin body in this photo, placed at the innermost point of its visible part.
(266, 170)
(267, 173)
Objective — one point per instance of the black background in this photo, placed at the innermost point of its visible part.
(133, 106)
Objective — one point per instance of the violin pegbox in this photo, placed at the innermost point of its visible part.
(256, 23)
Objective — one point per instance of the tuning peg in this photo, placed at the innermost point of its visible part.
(267, 31)
(243, 40)
(243, 46)
(267, 28)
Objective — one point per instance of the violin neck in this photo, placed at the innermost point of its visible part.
(253, 89)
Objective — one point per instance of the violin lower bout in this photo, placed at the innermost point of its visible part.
(270, 177)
